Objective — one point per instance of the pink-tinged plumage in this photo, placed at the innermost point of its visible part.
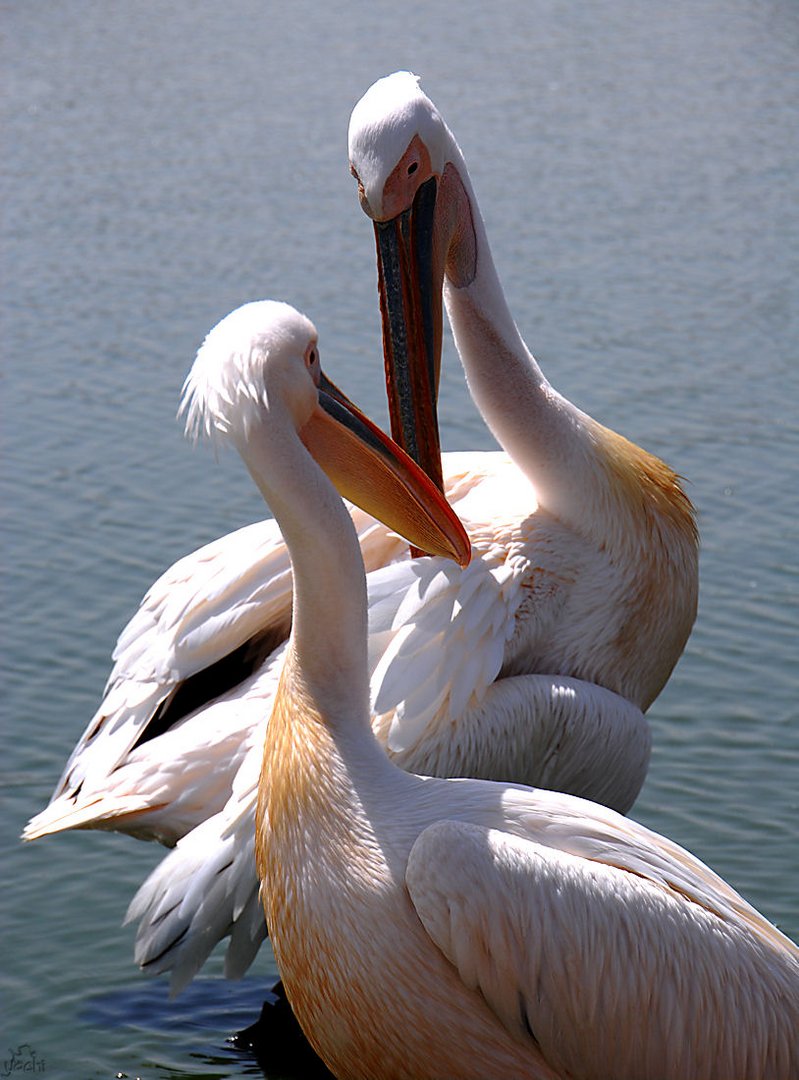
(428, 928)
(590, 541)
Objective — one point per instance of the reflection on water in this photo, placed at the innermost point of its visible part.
(636, 171)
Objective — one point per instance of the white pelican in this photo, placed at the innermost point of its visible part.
(432, 928)
(594, 564)
(207, 888)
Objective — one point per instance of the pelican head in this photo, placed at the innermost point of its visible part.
(261, 364)
(225, 394)
(411, 183)
(394, 120)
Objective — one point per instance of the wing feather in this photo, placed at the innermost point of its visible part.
(204, 890)
(231, 595)
(450, 630)
(575, 952)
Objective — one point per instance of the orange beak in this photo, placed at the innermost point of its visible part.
(371, 470)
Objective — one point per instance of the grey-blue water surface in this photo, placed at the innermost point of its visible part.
(636, 163)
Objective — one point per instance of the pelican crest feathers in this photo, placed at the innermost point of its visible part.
(224, 393)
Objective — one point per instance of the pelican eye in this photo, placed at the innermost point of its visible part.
(311, 357)
(414, 165)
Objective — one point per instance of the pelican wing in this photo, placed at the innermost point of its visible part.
(443, 648)
(206, 626)
(578, 933)
(205, 890)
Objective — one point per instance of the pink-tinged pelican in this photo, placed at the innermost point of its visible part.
(592, 562)
(429, 928)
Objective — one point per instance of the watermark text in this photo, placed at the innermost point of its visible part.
(23, 1060)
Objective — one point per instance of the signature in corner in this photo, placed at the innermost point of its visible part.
(23, 1060)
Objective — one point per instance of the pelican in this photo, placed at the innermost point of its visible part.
(207, 888)
(594, 564)
(429, 928)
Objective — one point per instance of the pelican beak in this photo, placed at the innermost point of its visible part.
(376, 474)
(409, 283)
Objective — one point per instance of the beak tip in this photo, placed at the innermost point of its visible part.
(461, 550)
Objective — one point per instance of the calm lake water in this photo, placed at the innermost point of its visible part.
(636, 165)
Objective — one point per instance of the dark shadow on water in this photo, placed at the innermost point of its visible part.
(211, 1025)
(277, 1042)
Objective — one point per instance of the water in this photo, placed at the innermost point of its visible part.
(637, 171)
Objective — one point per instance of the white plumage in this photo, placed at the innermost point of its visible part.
(588, 546)
(428, 928)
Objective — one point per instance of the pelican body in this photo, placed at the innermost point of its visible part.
(595, 557)
(459, 929)
(437, 930)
